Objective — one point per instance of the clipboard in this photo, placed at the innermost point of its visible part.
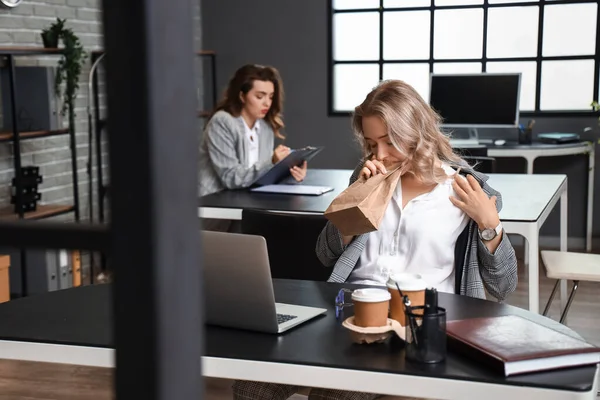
(281, 170)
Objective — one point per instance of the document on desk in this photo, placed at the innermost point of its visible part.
(293, 189)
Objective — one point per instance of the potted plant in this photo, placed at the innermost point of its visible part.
(69, 69)
(51, 35)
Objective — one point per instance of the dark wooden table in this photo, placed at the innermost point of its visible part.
(74, 326)
(229, 204)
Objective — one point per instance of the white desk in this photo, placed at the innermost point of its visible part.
(527, 202)
(531, 152)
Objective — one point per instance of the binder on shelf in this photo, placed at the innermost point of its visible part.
(76, 267)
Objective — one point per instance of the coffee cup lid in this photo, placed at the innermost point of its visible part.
(371, 295)
(408, 282)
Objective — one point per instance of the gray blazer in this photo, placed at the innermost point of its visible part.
(224, 154)
(497, 272)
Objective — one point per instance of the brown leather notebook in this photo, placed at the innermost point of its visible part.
(514, 345)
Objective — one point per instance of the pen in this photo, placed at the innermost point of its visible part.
(408, 313)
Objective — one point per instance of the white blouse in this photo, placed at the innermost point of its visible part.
(252, 138)
(418, 239)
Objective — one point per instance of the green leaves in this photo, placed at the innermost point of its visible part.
(69, 66)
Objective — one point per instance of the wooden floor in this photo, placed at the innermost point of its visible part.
(38, 381)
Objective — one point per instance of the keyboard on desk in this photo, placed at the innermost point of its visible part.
(281, 318)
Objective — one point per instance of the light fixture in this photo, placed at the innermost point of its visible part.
(10, 3)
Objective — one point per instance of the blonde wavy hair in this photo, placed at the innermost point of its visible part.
(413, 128)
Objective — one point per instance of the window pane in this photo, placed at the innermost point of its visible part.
(567, 85)
(406, 3)
(406, 35)
(457, 2)
(352, 83)
(528, 72)
(457, 68)
(356, 36)
(416, 75)
(458, 33)
(512, 32)
(354, 4)
(569, 29)
(512, 1)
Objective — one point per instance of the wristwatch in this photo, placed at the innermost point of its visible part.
(489, 233)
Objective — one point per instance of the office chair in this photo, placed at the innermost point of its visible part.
(291, 241)
(478, 151)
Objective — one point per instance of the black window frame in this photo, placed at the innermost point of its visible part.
(485, 6)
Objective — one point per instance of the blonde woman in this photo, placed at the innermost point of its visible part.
(439, 223)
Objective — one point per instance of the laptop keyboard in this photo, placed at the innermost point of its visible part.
(281, 318)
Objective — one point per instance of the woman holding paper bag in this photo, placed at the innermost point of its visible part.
(440, 224)
(236, 147)
(437, 223)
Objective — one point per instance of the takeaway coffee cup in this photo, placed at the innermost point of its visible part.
(371, 307)
(411, 285)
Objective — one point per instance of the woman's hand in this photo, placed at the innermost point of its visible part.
(372, 168)
(473, 201)
(280, 153)
(299, 173)
(477, 205)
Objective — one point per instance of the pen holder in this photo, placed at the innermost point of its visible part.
(525, 136)
(426, 335)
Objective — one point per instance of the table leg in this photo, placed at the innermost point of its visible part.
(590, 199)
(564, 235)
(529, 160)
(533, 268)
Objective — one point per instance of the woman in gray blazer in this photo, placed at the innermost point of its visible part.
(237, 144)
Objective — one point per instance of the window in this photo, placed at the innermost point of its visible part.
(552, 43)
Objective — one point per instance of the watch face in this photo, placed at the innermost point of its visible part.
(488, 234)
(10, 3)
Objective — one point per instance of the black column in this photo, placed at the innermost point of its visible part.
(155, 239)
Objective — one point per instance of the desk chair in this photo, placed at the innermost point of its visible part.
(291, 241)
(485, 165)
(570, 266)
(475, 151)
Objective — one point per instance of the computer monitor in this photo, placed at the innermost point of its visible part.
(476, 100)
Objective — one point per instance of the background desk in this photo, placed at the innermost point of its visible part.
(527, 202)
(535, 150)
(229, 204)
(75, 326)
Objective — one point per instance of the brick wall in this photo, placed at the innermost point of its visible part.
(21, 26)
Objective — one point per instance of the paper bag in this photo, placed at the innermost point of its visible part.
(360, 208)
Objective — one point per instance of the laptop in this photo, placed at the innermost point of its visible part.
(239, 288)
